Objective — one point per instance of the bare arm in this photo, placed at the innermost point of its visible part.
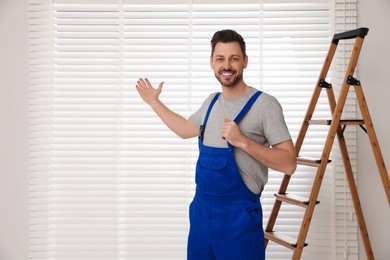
(184, 128)
(280, 157)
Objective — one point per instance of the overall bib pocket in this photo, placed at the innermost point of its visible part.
(212, 172)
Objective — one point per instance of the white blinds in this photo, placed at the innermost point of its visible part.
(107, 179)
(346, 236)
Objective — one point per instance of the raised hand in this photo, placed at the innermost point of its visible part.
(147, 92)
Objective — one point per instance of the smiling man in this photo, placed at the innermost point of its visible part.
(228, 69)
(245, 135)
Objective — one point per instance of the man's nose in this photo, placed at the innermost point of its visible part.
(227, 65)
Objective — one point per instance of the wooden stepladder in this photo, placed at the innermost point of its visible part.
(337, 127)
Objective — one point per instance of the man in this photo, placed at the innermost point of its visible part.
(245, 135)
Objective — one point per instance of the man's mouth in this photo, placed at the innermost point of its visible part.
(227, 73)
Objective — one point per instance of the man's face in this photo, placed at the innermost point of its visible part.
(228, 63)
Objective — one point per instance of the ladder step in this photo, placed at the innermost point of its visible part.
(294, 199)
(309, 161)
(329, 122)
(281, 239)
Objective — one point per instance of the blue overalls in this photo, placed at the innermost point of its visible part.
(225, 216)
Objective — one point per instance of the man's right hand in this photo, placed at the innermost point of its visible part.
(185, 128)
(147, 92)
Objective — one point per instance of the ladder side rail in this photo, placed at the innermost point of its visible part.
(351, 181)
(373, 140)
(355, 197)
(348, 168)
(331, 100)
(319, 176)
(333, 130)
(315, 96)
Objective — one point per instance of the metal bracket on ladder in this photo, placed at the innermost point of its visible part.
(324, 84)
(352, 81)
(336, 128)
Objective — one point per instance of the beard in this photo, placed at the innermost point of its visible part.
(228, 82)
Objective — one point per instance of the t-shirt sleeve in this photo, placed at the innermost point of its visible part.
(200, 114)
(274, 124)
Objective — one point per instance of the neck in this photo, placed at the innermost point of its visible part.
(235, 91)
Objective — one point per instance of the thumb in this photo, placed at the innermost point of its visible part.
(226, 120)
(159, 89)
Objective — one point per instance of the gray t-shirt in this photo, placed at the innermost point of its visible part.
(264, 123)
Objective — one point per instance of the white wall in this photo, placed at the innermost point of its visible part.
(13, 131)
(374, 74)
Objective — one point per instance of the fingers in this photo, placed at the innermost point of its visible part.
(160, 86)
(142, 83)
(138, 85)
(225, 128)
(142, 86)
(230, 131)
(145, 83)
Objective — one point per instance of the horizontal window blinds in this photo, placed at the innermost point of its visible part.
(346, 236)
(107, 179)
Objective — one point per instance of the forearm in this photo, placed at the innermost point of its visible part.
(181, 126)
(280, 157)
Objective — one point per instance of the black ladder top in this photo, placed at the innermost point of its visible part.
(360, 32)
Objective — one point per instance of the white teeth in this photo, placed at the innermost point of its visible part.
(226, 73)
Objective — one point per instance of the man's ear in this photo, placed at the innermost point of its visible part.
(245, 61)
(211, 62)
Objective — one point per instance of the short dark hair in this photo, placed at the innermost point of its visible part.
(226, 36)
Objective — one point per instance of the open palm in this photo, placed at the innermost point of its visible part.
(147, 92)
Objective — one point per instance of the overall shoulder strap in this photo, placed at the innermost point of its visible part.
(210, 107)
(203, 126)
(247, 106)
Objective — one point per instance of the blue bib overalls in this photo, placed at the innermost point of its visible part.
(225, 216)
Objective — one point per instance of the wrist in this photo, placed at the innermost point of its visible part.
(153, 102)
(244, 143)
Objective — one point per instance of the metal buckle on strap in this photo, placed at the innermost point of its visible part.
(201, 131)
